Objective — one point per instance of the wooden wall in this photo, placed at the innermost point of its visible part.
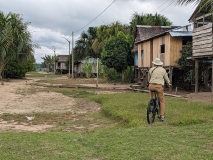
(175, 47)
(140, 46)
(202, 41)
(156, 47)
(146, 60)
(152, 50)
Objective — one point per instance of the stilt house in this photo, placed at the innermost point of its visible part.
(60, 64)
(202, 40)
(164, 42)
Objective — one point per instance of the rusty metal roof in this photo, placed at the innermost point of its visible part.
(145, 32)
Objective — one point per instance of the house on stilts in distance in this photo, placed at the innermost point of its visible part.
(164, 42)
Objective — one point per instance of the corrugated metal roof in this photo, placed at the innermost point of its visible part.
(180, 33)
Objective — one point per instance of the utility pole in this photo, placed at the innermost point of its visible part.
(72, 55)
(97, 74)
(54, 60)
(69, 54)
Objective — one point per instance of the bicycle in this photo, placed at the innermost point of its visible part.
(153, 108)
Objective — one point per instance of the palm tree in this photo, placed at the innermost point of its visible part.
(15, 40)
(48, 61)
(148, 19)
(83, 46)
(202, 3)
(186, 2)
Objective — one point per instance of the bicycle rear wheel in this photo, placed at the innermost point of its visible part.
(151, 111)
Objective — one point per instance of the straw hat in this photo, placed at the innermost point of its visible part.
(157, 62)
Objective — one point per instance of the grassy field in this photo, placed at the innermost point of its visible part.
(186, 133)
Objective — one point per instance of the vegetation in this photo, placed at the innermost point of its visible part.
(83, 46)
(128, 108)
(48, 62)
(87, 69)
(178, 143)
(148, 19)
(96, 42)
(187, 125)
(16, 69)
(117, 53)
(188, 66)
(15, 40)
(194, 2)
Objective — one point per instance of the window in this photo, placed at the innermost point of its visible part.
(162, 48)
(142, 53)
(59, 64)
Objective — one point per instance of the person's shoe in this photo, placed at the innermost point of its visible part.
(162, 119)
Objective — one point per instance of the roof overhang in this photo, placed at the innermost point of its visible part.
(200, 13)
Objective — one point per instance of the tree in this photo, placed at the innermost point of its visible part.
(148, 19)
(87, 69)
(15, 40)
(83, 46)
(203, 4)
(106, 31)
(116, 53)
(194, 2)
(185, 64)
(18, 69)
(48, 61)
(188, 66)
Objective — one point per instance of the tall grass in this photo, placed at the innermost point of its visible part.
(130, 108)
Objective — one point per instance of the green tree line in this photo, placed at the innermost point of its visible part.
(112, 43)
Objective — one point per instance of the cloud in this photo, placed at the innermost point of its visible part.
(53, 19)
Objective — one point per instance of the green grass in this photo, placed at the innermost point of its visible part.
(186, 134)
(148, 142)
(50, 75)
(130, 108)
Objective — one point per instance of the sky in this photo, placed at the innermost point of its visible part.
(53, 21)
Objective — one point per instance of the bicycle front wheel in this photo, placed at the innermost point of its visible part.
(151, 112)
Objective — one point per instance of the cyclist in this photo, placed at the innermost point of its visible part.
(157, 76)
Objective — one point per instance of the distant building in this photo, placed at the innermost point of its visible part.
(60, 66)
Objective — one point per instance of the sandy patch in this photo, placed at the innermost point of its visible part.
(16, 97)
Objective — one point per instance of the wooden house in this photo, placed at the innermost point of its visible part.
(202, 40)
(78, 68)
(164, 42)
(60, 66)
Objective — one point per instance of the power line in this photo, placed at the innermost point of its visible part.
(91, 21)
(96, 16)
(166, 7)
(160, 6)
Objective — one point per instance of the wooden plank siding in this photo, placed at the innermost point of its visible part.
(152, 50)
(146, 60)
(175, 47)
(156, 47)
(140, 46)
(202, 41)
(167, 54)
